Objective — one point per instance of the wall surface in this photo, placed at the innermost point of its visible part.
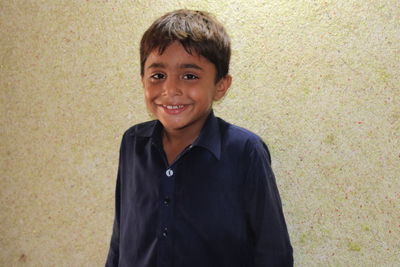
(318, 80)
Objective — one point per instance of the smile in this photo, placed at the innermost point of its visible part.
(172, 107)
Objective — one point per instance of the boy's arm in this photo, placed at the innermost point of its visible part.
(113, 253)
(264, 212)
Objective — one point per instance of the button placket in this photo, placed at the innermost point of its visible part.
(167, 189)
(166, 201)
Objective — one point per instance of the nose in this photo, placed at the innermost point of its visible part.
(171, 86)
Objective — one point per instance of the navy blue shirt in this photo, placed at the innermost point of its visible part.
(216, 205)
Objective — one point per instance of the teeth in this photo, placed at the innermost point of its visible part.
(173, 107)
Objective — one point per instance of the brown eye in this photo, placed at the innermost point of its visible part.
(190, 76)
(157, 76)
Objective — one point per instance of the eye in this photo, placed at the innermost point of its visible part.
(190, 76)
(158, 76)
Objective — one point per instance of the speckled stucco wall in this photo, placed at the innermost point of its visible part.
(318, 80)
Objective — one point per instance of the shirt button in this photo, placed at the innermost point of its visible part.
(169, 172)
(167, 200)
(165, 232)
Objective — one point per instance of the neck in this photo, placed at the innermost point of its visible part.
(186, 135)
(180, 137)
(176, 140)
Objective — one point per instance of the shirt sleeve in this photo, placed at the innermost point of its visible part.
(113, 253)
(265, 218)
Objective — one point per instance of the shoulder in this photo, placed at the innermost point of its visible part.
(240, 139)
(144, 129)
(136, 136)
(238, 132)
(234, 134)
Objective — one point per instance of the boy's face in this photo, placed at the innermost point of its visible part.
(180, 88)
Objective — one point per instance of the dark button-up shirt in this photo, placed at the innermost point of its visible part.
(216, 205)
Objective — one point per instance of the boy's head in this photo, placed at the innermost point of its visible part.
(197, 31)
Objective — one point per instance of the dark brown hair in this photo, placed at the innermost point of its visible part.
(197, 31)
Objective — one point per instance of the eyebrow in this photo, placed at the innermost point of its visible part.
(190, 66)
(181, 66)
(156, 65)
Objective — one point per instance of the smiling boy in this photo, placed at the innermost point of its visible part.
(192, 189)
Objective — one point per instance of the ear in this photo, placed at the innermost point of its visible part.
(222, 87)
(142, 80)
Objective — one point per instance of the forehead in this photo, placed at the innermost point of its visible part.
(175, 54)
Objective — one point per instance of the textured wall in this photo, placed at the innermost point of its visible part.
(318, 80)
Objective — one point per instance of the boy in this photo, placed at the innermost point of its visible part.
(192, 189)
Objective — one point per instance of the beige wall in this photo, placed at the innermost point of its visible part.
(318, 80)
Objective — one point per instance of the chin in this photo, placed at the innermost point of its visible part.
(173, 125)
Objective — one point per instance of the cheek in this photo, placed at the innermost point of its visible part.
(149, 93)
(147, 96)
(202, 93)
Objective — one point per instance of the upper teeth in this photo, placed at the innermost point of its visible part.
(173, 107)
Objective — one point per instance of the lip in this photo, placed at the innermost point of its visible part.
(173, 109)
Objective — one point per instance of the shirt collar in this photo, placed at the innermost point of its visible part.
(209, 138)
